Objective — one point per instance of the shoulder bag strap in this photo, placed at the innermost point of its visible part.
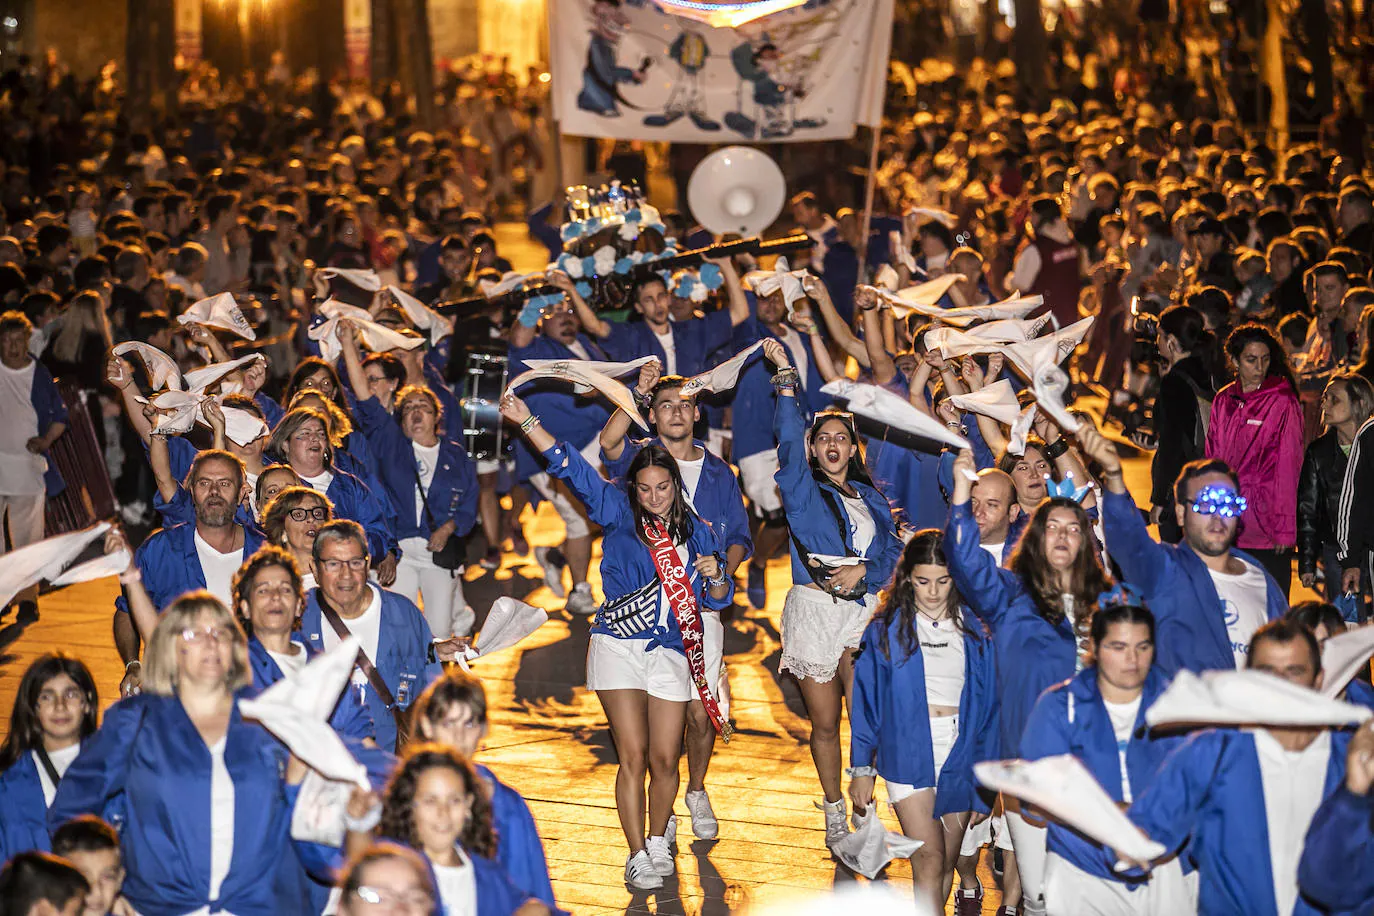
(374, 677)
(48, 767)
(424, 497)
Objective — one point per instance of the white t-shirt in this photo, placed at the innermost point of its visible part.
(60, 761)
(219, 569)
(320, 481)
(289, 664)
(457, 889)
(578, 350)
(793, 342)
(1294, 782)
(669, 351)
(21, 471)
(996, 550)
(426, 460)
(691, 478)
(861, 527)
(942, 654)
(1244, 603)
(1123, 717)
(367, 627)
(221, 818)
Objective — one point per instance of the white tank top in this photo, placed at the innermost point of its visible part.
(942, 652)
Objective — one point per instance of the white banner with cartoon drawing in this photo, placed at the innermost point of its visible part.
(629, 70)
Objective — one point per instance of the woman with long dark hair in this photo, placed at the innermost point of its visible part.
(1347, 403)
(1182, 408)
(55, 710)
(1037, 611)
(924, 710)
(661, 569)
(1257, 428)
(833, 511)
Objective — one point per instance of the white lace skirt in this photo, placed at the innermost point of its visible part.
(817, 628)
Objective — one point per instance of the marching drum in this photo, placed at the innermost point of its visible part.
(483, 380)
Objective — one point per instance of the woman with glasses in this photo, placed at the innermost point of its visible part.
(291, 520)
(301, 440)
(435, 805)
(54, 711)
(432, 484)
(203, 793)
(833, 510)
(386, 879)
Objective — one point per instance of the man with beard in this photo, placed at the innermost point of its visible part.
(1208, 598)
(185, 557)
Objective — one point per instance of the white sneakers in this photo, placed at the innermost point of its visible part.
(640, 873)
(704, 823)
(553, 564)
(660, 854)
(836, 823)
(581, 602)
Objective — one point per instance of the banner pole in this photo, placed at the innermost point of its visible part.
(871, 186)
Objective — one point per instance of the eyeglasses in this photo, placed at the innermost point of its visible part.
(69, 697)
(318, 513)
(1221, 501)
(286, 590)
(212, 634)
(411, 900)
(357, 564)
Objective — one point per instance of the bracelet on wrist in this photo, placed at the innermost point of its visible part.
(364, 824)
(1057, 449)
(131, 664)
(529, 423)
(856, 772)
(643, 399)
(786, 377)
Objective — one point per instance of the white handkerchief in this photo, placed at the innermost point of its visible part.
(162, 369)
(606, 368)
(508, 622)
(422, 316)
(1050, 350)
(296, 711)
(334, 308)
(185, 412)
(901, 254)
(367, 280)
(1020, 430)
(830, 560)
(509, 281)
(242, 426)
(110, 564)
(321, 810)
(1015, 307)
(219, 311)
(1065, 789)
(197, 380)
(921, 297)
(1247, 698)
(1050, 387)
(722, 377)
(572, 370)
(768, 282)
(1343, 655)
(1003, 331)
(886, 278)
(940, 216)
(871, 846)
(997, 400)
(375, 337)
(43, 560)
(894, 410)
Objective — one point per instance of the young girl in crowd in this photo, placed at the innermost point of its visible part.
(55, 709)
(833, 510)
(661, 569)
(1037, 611)
(924, 710)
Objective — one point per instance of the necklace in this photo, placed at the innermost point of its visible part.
(934, 621)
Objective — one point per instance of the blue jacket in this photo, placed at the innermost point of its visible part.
(811, 520)
(23, 811)
(718, 498)
(518, 848)
(752, 409)
(626, 564)
(497, 894)
(148, 751)
(452, 493)
(1032, 653)
(1337, 867)
(1189, 621)
(889, 720)
(568, 417)
(1209, 792)
(1070, 718)
(272, 412)
(404, 658)
(170, 565)
(354, 499)
(50, 408)
(350, 717)
(693, 341)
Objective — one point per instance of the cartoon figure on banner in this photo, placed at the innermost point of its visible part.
(601, 75)
(775, 100)
(690, 52)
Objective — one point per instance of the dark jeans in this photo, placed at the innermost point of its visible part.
(1279, 564)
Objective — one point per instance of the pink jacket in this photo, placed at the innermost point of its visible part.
(1260, 435)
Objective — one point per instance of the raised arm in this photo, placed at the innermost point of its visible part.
(120, 374)
(353, 359)
(986, 587)
(590, 322)
(734, 290)
(879, 359)
(834, 324)
(160, 459)
(1141, 558)
(618, 424)
(606, 503)
(141, 608)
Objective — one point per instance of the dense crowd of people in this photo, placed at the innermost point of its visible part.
(267, 312)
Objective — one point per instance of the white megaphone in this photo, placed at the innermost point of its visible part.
(736, 189)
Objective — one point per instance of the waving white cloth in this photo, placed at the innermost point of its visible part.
(1343, 655)
(508, 622)
(219, 311)
(871, 846)
(768, 282)
(109, 564)
(1065, 789)
(954, 342)
(296, 711)
(1015, 307)
(375, 337)
(608, 369)
(162, 369)
(46, 559)
(921, 298)
(334, 308)
(422, 316)
(241, 426)
(886, 278)
(575, 371)
(1020, 430)
(722, 377)
(509, 281)
(901, 253)
(1050, 350)
(997, 400)
(1247, 698)
(892, 409)
(205, 376)
(178, 411)
(933, 213)
(365, 280)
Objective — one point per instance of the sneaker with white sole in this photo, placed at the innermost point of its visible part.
(640, 873)
(581, 602)
(670, 833)
(704, 824)
(836, 823)
(660, 854)
(551, 559)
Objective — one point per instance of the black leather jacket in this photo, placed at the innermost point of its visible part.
(1319, 496)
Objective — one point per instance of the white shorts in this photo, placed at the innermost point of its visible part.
(944, 731)
(1070, 891)
(979, 835)
(756, 479)
(622, 664)
(817, 628)
(488, 466)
